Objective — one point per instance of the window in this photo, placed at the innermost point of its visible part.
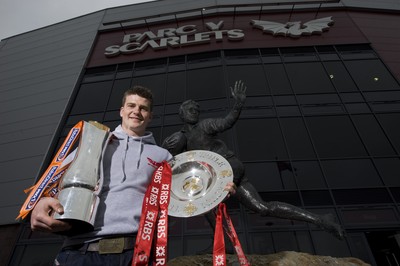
(335, 136)
(351, 173)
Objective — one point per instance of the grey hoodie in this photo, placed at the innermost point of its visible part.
(128, 164)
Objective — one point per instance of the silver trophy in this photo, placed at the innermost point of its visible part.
(78, 184)
(198, 181)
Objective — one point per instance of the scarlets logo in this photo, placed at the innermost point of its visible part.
(153, 163)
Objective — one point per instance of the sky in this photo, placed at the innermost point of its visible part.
(20, 16)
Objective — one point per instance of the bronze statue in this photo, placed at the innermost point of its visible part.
(202, 135)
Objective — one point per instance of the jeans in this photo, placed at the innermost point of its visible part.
(77, 258)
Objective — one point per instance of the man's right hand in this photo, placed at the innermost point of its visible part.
(41, 217)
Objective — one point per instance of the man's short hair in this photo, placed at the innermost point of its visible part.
(186, 103)
(141, 91)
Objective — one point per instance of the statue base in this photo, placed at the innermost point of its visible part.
(284, 258)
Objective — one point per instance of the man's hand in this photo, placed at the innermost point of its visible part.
(231, 188)
(42, 220)
(239, 92)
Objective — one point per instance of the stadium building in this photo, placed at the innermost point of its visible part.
(320, 127)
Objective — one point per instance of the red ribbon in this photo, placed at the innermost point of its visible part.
(219, 256)
(154, 218)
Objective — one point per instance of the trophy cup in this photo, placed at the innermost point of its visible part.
(78, 184)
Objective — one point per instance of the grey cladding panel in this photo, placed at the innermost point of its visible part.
(38, 73)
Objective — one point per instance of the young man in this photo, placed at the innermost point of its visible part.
(127, 170)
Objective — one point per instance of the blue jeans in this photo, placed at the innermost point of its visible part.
(77, 258)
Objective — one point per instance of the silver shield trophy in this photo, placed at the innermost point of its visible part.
(198, 181)
(78, 184)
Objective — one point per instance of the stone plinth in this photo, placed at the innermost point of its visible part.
(284, 258)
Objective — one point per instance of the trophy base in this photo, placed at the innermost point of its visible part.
(79, 204)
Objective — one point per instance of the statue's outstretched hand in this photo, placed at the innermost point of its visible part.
(239, 91)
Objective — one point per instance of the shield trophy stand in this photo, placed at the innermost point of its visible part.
(78, 184)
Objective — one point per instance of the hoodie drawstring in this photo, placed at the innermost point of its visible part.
(125, 142)
(139, 155)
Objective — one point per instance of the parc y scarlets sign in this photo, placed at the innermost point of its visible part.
(190, 35)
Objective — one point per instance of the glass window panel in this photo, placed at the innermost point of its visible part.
(324, 109)
(329, 57)
(124, 71)
(242, 56)
(389, 169)
(172, 120)
(176, 87)
(327, 53)
(204, 59)
(150, 67)
(262, 243)
(335, 136)
(352, 97)
(156, 83)
(285, 100)
(382, 96)
(172, 108)
(391, 125)
(197, 224)
(195, 244)
(288, 111)
(290, 197)
(175, 247)
(119, 87)
(316, 197)
(277, 79)
(92, 97)
(73, 119)
(270, 55)
(329, 245)
(374, 216)
(371, 75)
(339, 76)
(308, 175)
(396, 193)
(112, 116)
(285, 241)
(264, 176)
(297, 138)
(252, 76)
(309, 78)
(351, 173)
(386, 107)
(357, 55)
(99, 74)
(205, 83)
(372, 135)
(299, 54)
(357, 108)
(318, 98)
(258, 106)
(361, 196)
(260, 139)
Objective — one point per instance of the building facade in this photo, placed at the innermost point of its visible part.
(319, 128)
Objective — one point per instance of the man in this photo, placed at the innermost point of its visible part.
(127, 166)
(202, 135)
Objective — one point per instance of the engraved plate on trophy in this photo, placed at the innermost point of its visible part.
(198, 181)
(78, 184)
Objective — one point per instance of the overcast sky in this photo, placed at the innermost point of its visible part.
(19, 16)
